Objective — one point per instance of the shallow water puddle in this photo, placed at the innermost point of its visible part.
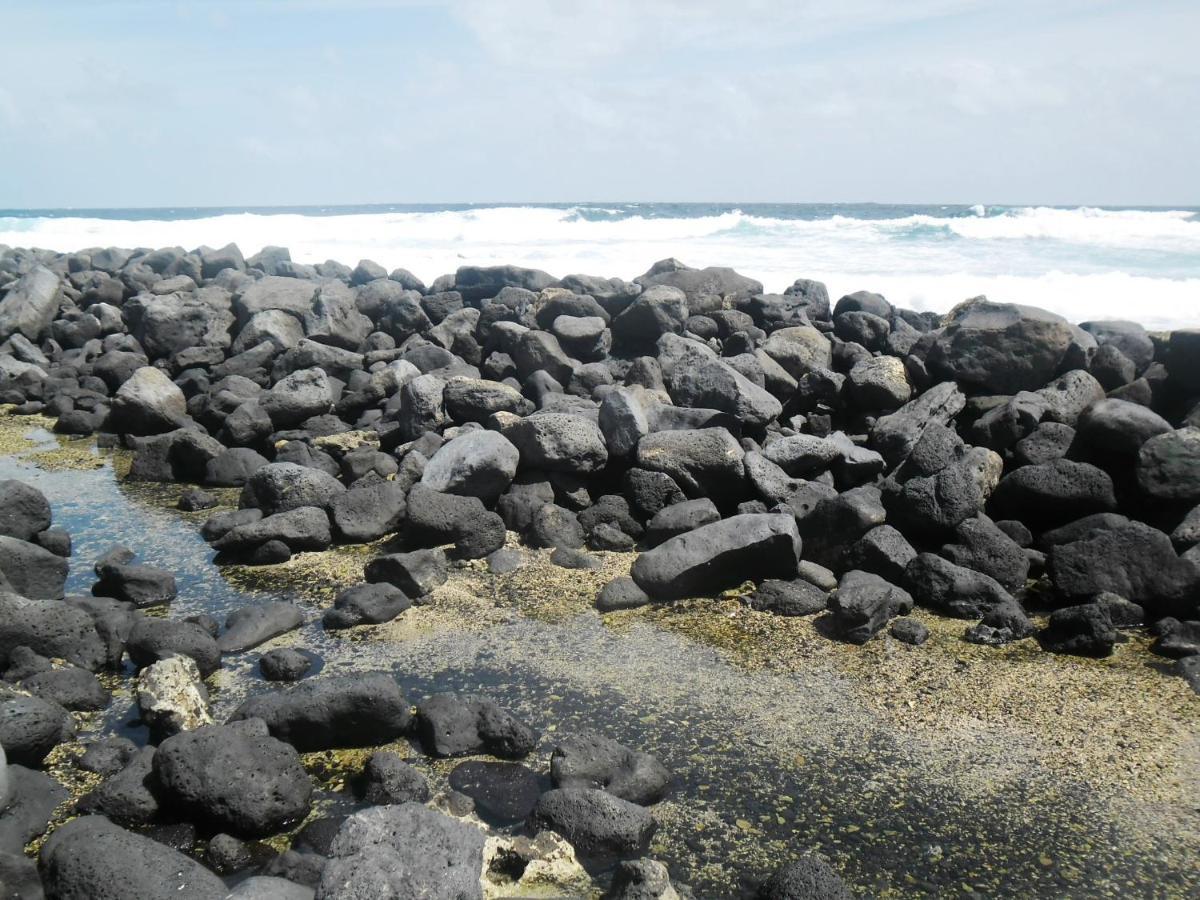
(809, 749)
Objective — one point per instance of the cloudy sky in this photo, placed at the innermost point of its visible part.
(266, 102)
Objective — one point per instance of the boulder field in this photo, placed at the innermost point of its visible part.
(852, 460)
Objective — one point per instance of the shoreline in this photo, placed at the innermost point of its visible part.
(880, 590)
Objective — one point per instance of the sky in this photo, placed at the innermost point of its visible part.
(128, 103)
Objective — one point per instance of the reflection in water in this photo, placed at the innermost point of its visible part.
(767, 763)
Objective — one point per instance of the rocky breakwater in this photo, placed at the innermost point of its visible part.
(998, 465)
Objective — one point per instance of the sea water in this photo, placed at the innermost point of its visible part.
(1084, 263)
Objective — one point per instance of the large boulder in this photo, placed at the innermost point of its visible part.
(30, 727)
(594, 821)
(30, 304)
(957, 491)
(559, 442)
(92, 858)
(657, 311)
(713, 384)
(147, 403)
(405, 850)
(250, 626)
(1168, 466)
(705, 462)
(799, 349)
(235, 778)
(807, 878)
(706, 289)
(484, 282)
(279, 487)
(332, 712)
(1129, 559)
(1000, 348)
(589, 760)
(24, 510)
(31, 571)
(1053, 493)
(302, 528)
(301, 395)
(152, 638)
(175, 322)
(453, 725)
(370, 511)
(366, 604)
(51, 628)
(963, 593)
(476, 463)
(895, 435)
(721, 555)
(293, 296)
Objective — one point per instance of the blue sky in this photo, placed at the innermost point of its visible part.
(266, 102)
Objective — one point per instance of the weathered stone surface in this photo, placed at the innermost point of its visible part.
(720, 555)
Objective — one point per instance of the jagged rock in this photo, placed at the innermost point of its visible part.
(1085, 630)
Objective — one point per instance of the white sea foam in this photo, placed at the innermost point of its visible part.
(1082, 263)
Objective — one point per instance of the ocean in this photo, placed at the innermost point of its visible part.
(1084, 263)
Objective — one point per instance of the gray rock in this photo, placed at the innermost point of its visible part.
(658, 310)
(1084, 630)
(370, 511)
(896, 435)
(952, 590)
(594, 821)
(476, 464)
(405, 850)
(147, 403)
(1119, 428)
(1168, 466)
(1053, 493)
(452, 725)
(713, 384)
(864, 603)
(235, 778)
(250, 626)
(91, 857)
(28, 805)
(281, 486)
(152, 639)
(799, 349)
(720, 555)
(590, 760)
(51, 628)
(808, 878)
(366, 604)
(389, 779)
(284, 664)
(333, 711)
(24, 510)
(302, 528)
(909, 631)
(558, 442)
(1130, 559)
(30, 304)
(143, 586)
(416, 573)
(30, 727)
(171, 697)
(31, 571)
(128, 797)
(705, 462)
(680, 518)
(301, 395)
(985, 548)
(789, 598)
(1000, 348)
(268, 887)
(883, 551)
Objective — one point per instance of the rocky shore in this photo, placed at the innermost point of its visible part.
(997, 477)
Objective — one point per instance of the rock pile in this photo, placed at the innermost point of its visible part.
(854, 460)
